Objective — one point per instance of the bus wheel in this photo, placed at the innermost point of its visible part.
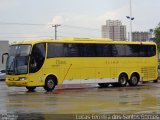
(103, 85)
(134, 80)
(31, 88)
(49, 84)
(122, 81)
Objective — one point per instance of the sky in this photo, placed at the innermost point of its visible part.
(33, 19)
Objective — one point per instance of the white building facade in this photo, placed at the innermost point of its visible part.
(114, 30)
(141, 36)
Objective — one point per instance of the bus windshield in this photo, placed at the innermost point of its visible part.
(17, 62)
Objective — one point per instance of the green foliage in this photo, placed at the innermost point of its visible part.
(157, 35)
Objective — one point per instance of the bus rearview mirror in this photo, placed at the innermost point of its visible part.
(3, 57)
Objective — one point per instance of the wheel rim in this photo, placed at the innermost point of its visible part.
(134, 80)
(123, 80)
(50, 83)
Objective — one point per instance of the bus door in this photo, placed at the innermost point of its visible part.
(37, 59)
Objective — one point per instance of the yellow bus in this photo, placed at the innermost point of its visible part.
(47, 63)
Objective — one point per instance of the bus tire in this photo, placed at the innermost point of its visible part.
(122, 81)
(50, 84)
(134, 80)
(103, 85)
(31, 88)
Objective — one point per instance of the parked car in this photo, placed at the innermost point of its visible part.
(2, 74)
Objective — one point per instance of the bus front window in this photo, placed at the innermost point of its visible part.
(17, 62)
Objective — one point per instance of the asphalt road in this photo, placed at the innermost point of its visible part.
(17, 102)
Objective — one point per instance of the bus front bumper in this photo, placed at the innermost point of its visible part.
(19, 83)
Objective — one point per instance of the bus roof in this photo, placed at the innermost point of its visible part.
(82, 40)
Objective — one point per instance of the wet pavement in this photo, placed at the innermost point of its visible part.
(83, 100)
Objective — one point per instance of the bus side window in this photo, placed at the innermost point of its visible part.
(107, 50)
(143, 50)
(114, 51)
(103, 50)
(89, 50)
(118, 50)
(71, 50)
(151, 50)
(132, 50)
(55, 50)
(99, 50)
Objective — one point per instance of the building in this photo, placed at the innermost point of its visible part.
(114, 30)
(3, 49)
(141, 36)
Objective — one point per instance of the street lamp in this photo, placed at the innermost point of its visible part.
(130, 18)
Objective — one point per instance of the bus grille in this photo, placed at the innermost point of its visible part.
(149, 73)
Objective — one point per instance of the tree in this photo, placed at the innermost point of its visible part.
(157, 36)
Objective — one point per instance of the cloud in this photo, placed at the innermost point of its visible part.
(93, 21)
(87, 25)
(119, 14)
(57, 20)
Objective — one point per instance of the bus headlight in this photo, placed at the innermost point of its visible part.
(22, 78)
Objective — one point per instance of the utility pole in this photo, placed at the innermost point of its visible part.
(55, 26)
(130, 18)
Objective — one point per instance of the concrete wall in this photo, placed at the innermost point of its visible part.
(3, 49)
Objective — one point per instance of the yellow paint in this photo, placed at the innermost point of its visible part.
(75, 68)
